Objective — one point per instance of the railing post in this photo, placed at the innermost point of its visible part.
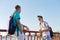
(6, 37)
(24, 37)
(36, 37)
(29, 36)
(0, 37)
(10, 37)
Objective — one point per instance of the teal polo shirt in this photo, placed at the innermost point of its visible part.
(16, 15)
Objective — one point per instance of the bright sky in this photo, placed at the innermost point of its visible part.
(49, 9)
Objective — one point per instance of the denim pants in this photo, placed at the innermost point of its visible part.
(46, 38)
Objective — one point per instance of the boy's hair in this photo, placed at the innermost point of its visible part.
(17, 6)
(40, 16)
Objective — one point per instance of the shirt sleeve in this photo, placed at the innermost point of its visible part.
(46, 24)
(17, 16)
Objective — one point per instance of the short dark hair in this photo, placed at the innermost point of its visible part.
(17, 6)
(39, 16)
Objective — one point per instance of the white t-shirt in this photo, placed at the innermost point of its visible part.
(43, 26)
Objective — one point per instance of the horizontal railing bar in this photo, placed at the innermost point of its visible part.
(3, 30)
(31, 31)
(38, 32)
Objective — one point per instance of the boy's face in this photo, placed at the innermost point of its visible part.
(40, 19)
(19, 9)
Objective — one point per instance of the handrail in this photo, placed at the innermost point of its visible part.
(55, 37)
(31, 31)
(3, 30)
(29, 34)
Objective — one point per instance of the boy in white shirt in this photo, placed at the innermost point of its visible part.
(44, 29)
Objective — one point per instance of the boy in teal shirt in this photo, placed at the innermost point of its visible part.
(17, 24)
(16, 16)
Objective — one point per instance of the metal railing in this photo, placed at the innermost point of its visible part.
(10, 36)
(56, 35)
(2, 30)
(31, 35)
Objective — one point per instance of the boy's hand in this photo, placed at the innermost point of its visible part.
(40, 31)
(21, 31)
(27, 29)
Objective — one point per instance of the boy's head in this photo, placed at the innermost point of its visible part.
(18, 8)
(40, 18)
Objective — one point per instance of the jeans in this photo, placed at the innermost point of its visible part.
(46, 38)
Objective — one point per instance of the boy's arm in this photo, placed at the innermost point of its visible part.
(25, 27)
(18, 24)
(47, 29)
(40, 31)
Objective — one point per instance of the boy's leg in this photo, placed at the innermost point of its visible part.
(21, 36)
(44, 38)
(16, 35)
(48, 38)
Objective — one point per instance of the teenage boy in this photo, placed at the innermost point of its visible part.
(44, 29)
